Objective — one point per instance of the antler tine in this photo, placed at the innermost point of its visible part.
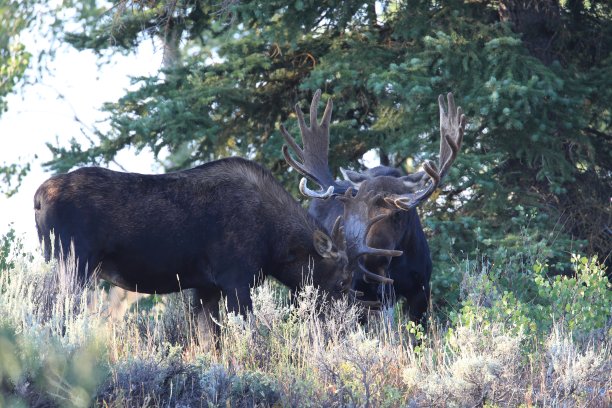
(300, 116)
(326, 120)
(380, 252)
(356, 293)
(374, 277)
(370, 304)
(313, 160)
(289, 139)
(293, 163)
(313, 108)
(454, 148)
(338, 233)
(411, 200)
(312, 193)
(432, 171)
(452, 127)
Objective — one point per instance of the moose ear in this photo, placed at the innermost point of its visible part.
(415, 181)
(353, 176)
(323, 244)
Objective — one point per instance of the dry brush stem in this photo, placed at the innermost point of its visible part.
(307, 351)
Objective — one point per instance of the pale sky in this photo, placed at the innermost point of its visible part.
(38, 115)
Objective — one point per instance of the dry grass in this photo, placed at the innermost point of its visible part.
(74, 352)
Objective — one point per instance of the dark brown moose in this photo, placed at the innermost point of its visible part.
(386, 245)
(217, 228)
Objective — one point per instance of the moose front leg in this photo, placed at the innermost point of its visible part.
(206, 304)
(239, 300)
(416, 306)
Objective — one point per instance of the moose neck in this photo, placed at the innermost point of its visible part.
(296, 260)
(289, 228)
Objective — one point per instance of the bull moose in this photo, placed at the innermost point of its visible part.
(385, 240)
(218, 228)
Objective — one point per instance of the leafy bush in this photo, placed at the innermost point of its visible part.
(10, 245)
(254, 389)
(580, 303)
(509, 250)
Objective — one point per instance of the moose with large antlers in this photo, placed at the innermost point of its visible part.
(217, 228)
(386, 245)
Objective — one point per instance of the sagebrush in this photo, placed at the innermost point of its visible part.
(61, 345)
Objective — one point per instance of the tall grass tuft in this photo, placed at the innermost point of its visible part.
(61, 345)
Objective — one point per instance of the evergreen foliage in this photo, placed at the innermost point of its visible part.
(535, 170)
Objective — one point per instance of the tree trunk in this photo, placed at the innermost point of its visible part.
(537, 21)
(171, 37)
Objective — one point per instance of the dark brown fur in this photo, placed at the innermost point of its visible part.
(217, 228)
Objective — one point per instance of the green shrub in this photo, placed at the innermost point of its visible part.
(9, 245)
(255, 389)
(49, 375)
(507, 251)
(581, 302)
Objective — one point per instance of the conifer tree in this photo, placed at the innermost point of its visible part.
(534, 78)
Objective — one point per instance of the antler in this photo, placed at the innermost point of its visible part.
(357, 225)
(313, 157)
(452, 127)
(338, 234)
